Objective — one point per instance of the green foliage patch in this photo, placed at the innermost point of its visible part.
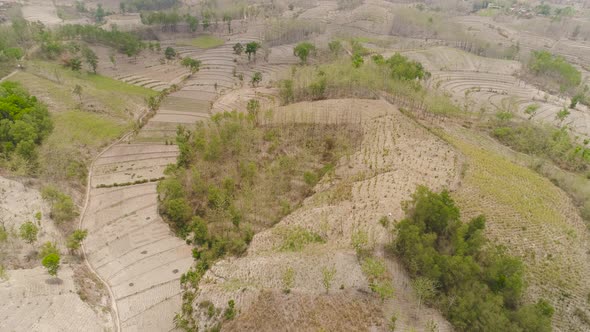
(205, 41)
(555, 67)
(235, 177)
(546, 141)
(63, 208)
(24, 123)
(479, 285)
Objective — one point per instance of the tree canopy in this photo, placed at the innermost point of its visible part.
(51, 263)
(252, 48)
(304, 50)
(24, 122)
(556, 68)
(480, 285)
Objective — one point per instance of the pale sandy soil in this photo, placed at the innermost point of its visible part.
(31, 299)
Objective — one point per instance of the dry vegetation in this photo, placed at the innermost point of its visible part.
(285, 213)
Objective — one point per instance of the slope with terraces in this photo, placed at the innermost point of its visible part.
(491, 85)
(129, 246)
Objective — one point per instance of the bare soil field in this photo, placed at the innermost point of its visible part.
(42, 11)
(32, 300)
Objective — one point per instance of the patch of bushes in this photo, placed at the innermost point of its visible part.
(124, 42)
(125, 184)
(555, 68)
(140, 5)
(546, 141)
(479, 286)
(63, 208)
(397, 77)
(296, 238)
(24, 123)
(234, 177)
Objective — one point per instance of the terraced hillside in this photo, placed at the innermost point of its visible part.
(476, 84)
(129, 246)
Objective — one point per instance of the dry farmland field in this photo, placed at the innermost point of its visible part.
(346, 165)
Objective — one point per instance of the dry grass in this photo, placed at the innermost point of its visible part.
(347, 310)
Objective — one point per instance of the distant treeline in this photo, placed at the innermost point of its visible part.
(139, 5)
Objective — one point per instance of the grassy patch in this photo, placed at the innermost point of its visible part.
(78, 127)
(82, 124)
(206, 41)
(77, 135)
(296, 238)
(54, 84)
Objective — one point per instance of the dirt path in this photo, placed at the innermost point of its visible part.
(8, 76)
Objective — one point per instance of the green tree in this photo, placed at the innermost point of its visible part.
(74, 64)
(360, 242)
(48, 248)
(227, 19)
(91, 58)
(357, 61)
(28, 231)
(256, 78)
(304, 50)
(531, 110)
(75, 239)
(562, 114)
(169, 53)
(51, 263)
(62, 205)
(383, 288)
(253, 108)
(193, 22)
(327, 277)
(252, 48)
(335, 47)
(78, 92)
(99, 14)
(238, 48)
(192, 64)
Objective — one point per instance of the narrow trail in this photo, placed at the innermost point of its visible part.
(8, 76)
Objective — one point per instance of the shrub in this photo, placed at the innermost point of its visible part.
(62, 206)
(296, 238)
(545, 141)
(169, 53)
(230, 312)
(51, 263)
(28, 232)
(556, 68)
(304, 50)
